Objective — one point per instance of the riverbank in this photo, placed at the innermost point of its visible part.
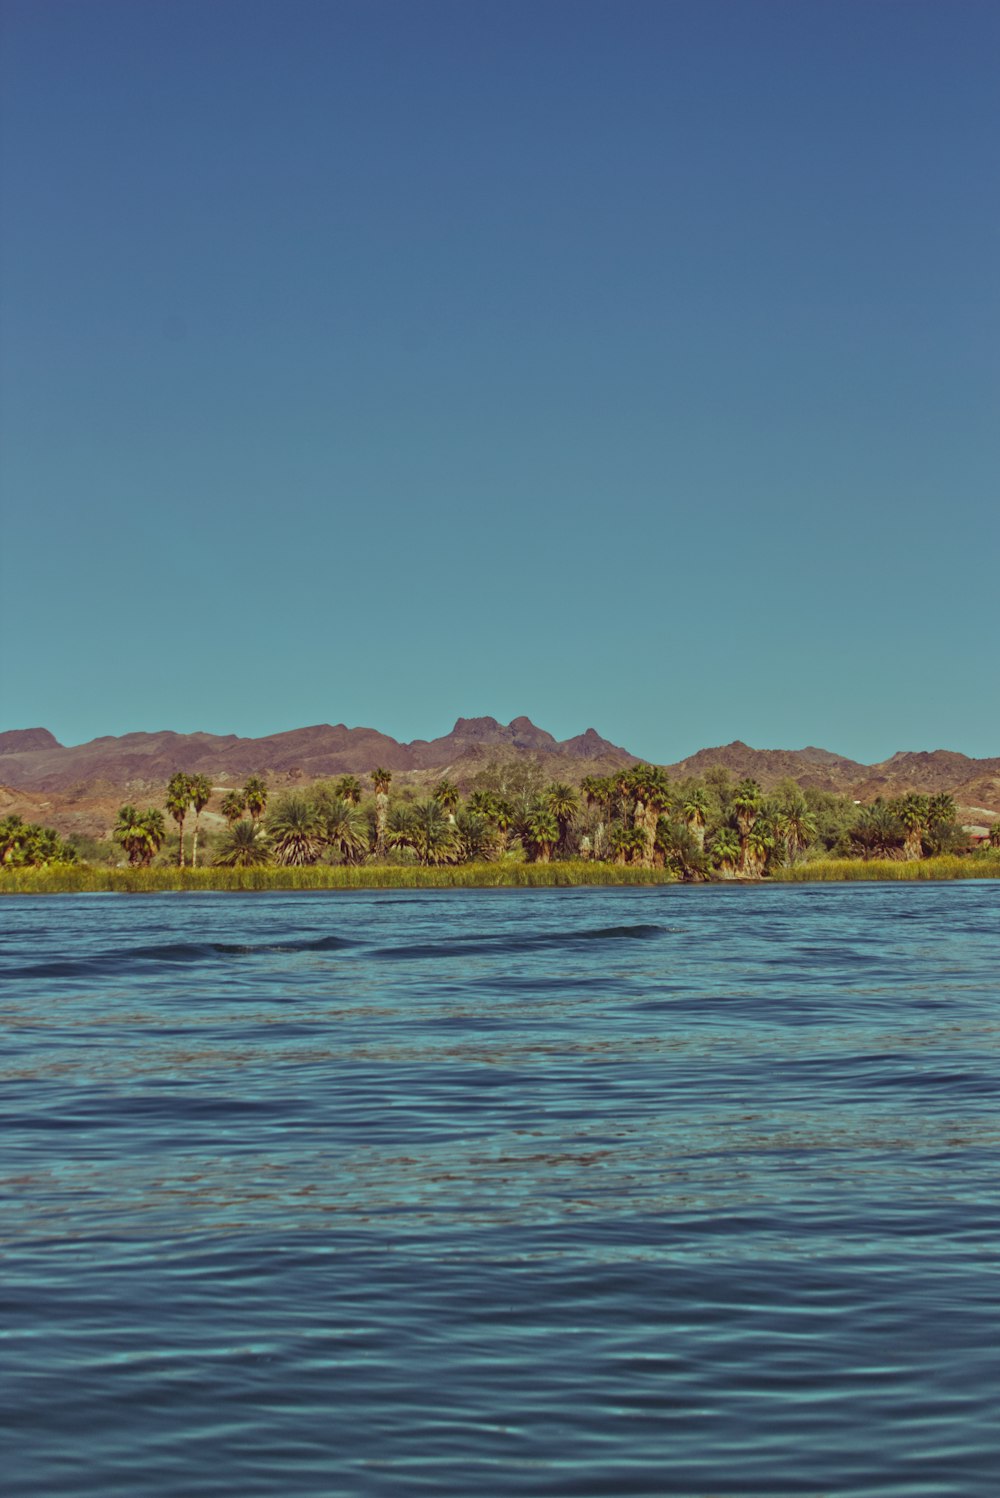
(94, 879)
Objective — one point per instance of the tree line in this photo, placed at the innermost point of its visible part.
(710, 827)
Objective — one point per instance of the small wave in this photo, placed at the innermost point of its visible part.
(488, 945)
(173, 953)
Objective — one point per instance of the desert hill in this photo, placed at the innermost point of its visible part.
(78, 787)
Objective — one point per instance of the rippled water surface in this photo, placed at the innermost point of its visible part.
(663, 1191)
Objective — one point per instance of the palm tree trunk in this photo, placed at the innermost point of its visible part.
(194, 848)
(180, 840)
(381, 817)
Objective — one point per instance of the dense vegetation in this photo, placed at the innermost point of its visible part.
(512, 819)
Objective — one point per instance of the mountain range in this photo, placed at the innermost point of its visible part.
(72, 787)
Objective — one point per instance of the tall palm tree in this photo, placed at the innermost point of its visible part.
(564, 804)
(914, 811)
(695, 814)
(381, 780)
(746, 803)
(296, 829)
(795, 825)
(246, 846)
(349, 789)
(233, 806)
(178, 803)
(650, 786)
(201, 795)
(255, 797)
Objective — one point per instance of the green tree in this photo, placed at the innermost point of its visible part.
(255, 797)
(349, 789)
(296, 830)
(694, 810)
(427, 828)
(913, 811)
(381, 780)
(877, 832)
(30, 845)
(446, 795)
(681, 850)
(178, 803)
(140, 833)
(747, 801)
(650, 789)
(201, 795)
(245, 846)
(344, 827)
(725, 851)
(540, 833)
(233, 806)
(564, 804)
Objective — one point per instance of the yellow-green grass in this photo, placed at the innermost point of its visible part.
(971, 866)
(92, 879)
(84, 878)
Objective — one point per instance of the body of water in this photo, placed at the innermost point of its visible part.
(548, 1192)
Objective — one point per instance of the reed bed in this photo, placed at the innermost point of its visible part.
(974, 866)
(91, 879)
(60, 879)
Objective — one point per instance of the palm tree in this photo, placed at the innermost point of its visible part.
(233, 806)
(695, 814)
(255, 797)
(628, 844)
(795, 824)
(344, 828)
(681, 849)
(140, 833)
(446, 794)
(246, 846)
(178, 804)
(746, 803)
(725, 851)
(759, 848)
(994, 835)
(878, 831)
(381, 780)
(914, 811)
(296, 829)
(349, 789)
(427, 828)
(651, 788)
(476, 836)
(540, 832)
(564, 804)
(201, 795)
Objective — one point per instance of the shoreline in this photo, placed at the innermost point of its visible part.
(93, 879)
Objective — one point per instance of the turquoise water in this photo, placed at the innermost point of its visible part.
(662, 1191)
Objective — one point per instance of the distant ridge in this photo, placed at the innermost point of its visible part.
(33, 759)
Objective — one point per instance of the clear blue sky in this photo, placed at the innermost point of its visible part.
(627, 364)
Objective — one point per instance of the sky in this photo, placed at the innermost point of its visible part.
(631, 365)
